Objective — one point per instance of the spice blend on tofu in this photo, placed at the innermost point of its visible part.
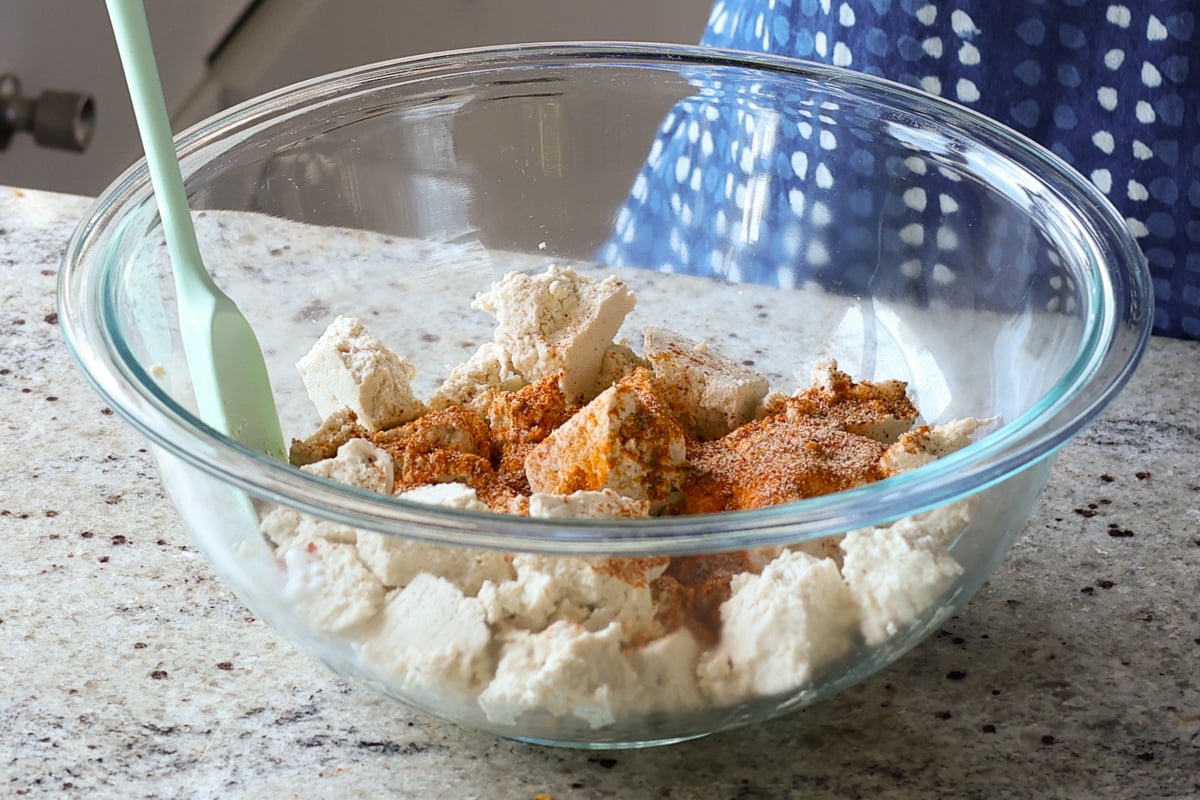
(555, 419)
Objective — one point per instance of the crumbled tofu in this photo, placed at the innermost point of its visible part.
(778, 627)
(623, 440)
(896, 573)
(358, 463)
(338, 428)
(618, 361)
(563, 670)
(589, 592)
(555, 420)
(446, 495)
(431, 637)
(881, 411)
(604, 504)
(666, 672)
(557, 321)
(330, 586)
(349, 368)
(397, 561)
(475, 380)
(709, 393)
(929, 443)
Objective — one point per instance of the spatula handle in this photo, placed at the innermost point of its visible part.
(132, 34)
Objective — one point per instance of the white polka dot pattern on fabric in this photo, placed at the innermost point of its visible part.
(1118, 15)
(962, 24)
(914, 198)
(1151, 76)
(966, 91)
(1112, 88)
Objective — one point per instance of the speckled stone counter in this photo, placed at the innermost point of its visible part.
(128, 671)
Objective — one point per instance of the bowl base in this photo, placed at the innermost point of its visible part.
(634, 745)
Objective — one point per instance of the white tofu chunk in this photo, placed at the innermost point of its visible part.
(330, 586)
(666, 670)
(710, 393)
(349, 368)
(358, 463)
(397, 561)
(557, 321)
(432, 637)
(473, 381)
(589, 592)
(562, 670)
(604, 504)
(927, 444)
(778, 627)
(446, 495)
(624, 440)
(896, 573)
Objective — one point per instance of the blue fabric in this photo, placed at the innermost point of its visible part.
(1111, 88)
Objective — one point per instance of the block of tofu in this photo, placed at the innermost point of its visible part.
(589, 592)
(779, 627)
(928, 443)
(337, 429)
(709, 393)
(625, 440)
(330, 586)
(777, 460)
(618, 361)
(896, 573)
(396, 561)
(563, 670)
(432, 637)
(530, 413)
(287, 528)
(349, 368)
(475, 380)
(446, 495)
(666, 670)
(879, 411)
(357, 463)
(557, 321)
(454, 428)
(604, 504)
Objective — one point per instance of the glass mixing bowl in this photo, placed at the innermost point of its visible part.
(786, 213)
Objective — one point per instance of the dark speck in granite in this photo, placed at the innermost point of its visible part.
(316, 311)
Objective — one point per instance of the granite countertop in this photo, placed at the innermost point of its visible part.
(130, 671)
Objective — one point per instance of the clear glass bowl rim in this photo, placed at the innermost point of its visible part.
(1118, 329)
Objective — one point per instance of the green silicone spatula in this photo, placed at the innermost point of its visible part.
(224, 359)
